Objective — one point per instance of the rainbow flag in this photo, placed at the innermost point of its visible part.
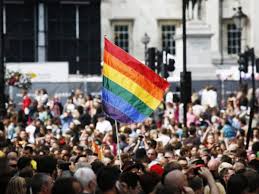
(131, 91)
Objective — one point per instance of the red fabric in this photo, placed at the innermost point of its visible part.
(157, 169)
(26, 102)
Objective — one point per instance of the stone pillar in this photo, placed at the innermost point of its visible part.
(198, 41)
(213, 18)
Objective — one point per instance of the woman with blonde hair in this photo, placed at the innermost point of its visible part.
(16, 185)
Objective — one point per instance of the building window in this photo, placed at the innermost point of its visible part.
(74, 36)
(234, 39)
(121, 36)
(20, 34)
(168, 42)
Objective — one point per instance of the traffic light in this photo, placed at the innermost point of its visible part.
(159, 60)
(169, 67)
(243, 62)
(151, 58)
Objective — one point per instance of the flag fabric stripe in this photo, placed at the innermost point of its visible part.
(121, 104)
(131, 91)
(133, 75)
(115, 113)
(140, 106)
(131, 86)
(135, 64)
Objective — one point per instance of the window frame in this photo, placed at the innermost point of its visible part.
(243, 38)
(161, 23)
(129, 24)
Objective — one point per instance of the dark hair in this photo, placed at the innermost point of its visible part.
(162, 189)
(123, 137)
(130, 178)
(153, 144)
(237, 184)
(46, 164)
(23, 162)
(37, 181)
(148, 181)
(64, 185)
(107, 177)
(97, 165)
(226, 158)
(253, 180)
(26, 172)
(196, 183)
(29, 148)
(192, 130)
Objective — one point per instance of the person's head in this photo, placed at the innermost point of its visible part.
(239, 166)
(23, 162)
(225, 173)
(16, 185)
(87, 178)
(194, 151)
(129, 183)
(169, 156)
(66, 185)
(12, 159)
(130, 166)
(41, 183)
(107, 178)
(192, 130)
(210, 139)
(23, 135)
(47, 164)
(226, 158)
(148, 181)
(27, 151)
(164, 189)
(256, 132)
(196, 183)
(237, 184)
(253, 180)
(183, 162)
(152, 154)
(176, 178)
(97, 166)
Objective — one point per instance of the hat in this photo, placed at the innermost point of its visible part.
(224, 165)
(157, 168)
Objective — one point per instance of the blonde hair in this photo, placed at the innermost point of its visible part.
(16, 185)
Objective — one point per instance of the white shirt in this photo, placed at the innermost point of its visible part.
(164, 139)
(197, 109)
(31, 130)
(103, 126)
(209, 98)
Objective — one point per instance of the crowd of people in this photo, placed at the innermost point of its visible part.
(47, 147)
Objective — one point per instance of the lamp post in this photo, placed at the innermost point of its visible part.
(145, 40)
(251, 58)
(239, 19)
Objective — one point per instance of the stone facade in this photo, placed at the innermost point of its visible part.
(147, 16)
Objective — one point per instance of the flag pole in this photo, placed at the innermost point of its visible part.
(118, 144)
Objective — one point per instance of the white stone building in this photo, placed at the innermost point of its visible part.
(213, 42)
